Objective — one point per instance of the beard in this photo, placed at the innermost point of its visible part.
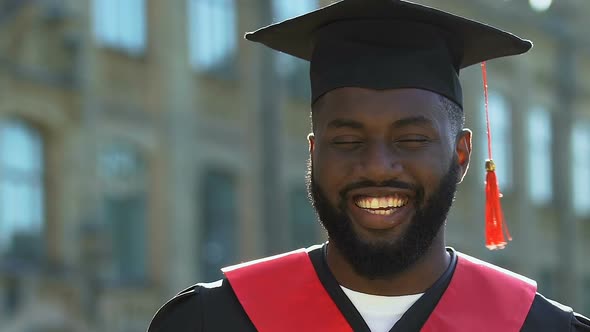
(385, 259)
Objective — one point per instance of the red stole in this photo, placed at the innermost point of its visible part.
(283, 293)
(482, 297)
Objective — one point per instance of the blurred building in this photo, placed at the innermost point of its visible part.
(144, 144)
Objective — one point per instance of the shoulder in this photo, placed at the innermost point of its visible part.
(580, 323)
(182, 312)
(488, 269)
(208, 307)
(201, 307)
(544, 314)
(549, 315)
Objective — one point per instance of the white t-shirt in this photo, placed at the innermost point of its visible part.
(380, 312)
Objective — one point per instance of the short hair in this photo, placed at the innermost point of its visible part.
(454, 113)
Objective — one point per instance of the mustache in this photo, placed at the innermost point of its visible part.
(369, 183)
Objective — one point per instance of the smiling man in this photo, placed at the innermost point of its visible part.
(387, 152)
(399, 158)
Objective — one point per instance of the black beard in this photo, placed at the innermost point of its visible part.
(386, 259)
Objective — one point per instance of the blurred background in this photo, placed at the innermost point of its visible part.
(144, 144)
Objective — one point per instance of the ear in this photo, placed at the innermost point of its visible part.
(311, 140)
(463, 151)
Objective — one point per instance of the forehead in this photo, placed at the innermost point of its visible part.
(368, 105)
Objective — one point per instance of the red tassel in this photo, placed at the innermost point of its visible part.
(495, 226)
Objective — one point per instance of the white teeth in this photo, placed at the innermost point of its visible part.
(374, 203)
(381, 202)
(382, 212)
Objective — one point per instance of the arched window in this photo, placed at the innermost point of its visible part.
(219, 223)
(123, 177)
(22, 192)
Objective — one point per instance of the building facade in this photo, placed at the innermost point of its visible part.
(144, 144)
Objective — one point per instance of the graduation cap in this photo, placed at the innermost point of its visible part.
(389, 44)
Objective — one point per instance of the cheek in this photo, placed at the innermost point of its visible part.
(331, 173)
(429, 169)
(432, 175)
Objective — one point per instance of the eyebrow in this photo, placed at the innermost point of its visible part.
(418, 120)
(345, 123)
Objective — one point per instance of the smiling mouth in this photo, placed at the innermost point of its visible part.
(382, 205)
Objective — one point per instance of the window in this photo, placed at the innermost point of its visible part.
(286, 9)
(539, 137)
(218, 231)
(302, 219)
(120, 24)
(22, 194)
(126, 220)
(283, 10)
(295, 71)
(123, 173)
(212, 34)
(500, 124)
(581, 172)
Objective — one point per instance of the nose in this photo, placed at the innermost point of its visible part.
(380, 162)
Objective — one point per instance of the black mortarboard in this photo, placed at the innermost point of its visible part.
(385, 44)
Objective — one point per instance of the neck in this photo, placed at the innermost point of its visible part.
(413, 280)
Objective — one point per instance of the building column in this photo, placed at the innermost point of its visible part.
(174, 227)
(565, 76)
(272, 138)
(523, 244)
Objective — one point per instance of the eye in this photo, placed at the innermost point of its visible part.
(346, 142)
(413, 142)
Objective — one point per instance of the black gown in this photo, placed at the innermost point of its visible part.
(214, 307)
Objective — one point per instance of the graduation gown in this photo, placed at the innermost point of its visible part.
(214, 307)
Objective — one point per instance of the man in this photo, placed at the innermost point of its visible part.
(388, 149)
